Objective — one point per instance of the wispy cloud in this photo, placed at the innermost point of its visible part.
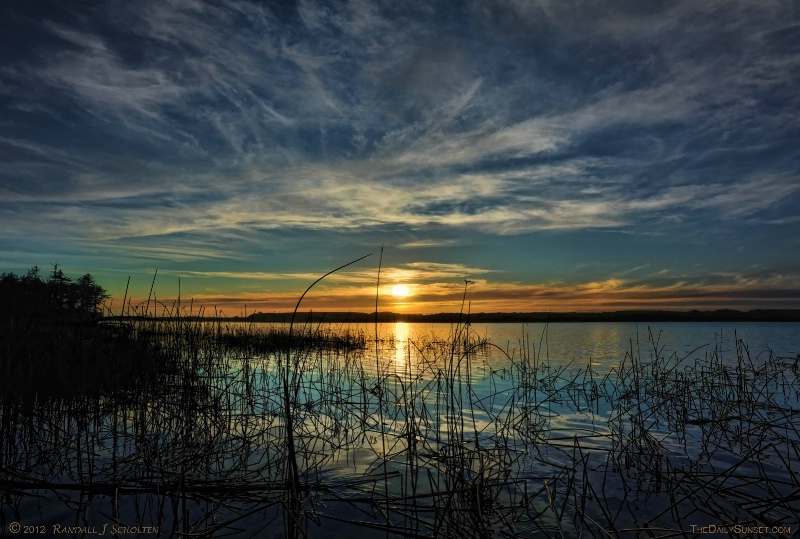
(426, 244)
(141, 129)
(424, 272)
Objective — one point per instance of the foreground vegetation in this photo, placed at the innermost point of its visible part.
(51, 342)
(448, 447)
(218, 429)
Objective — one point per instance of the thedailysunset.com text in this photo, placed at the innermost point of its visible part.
(741, 529)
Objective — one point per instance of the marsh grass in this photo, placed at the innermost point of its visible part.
(195, 436)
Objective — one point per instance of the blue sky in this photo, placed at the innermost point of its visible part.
(563, 156)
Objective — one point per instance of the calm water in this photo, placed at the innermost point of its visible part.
(552, 427)
(604, 344)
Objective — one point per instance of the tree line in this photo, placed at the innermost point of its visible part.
(57, 295)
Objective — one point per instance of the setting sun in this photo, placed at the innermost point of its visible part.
(400, 291)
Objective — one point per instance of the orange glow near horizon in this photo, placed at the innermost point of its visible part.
(438, 297)
(439, 288)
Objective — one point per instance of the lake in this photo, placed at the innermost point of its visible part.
(422, 430)
(604, 343)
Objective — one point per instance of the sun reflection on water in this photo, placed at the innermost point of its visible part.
(402, 335)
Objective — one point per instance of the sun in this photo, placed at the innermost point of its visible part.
(400, 291)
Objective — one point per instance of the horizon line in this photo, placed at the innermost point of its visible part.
(628, 315)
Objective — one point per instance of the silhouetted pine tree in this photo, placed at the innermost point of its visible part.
(59, 296)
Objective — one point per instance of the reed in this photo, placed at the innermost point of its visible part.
(219, 429)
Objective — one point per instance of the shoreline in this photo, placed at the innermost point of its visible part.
(643, 316)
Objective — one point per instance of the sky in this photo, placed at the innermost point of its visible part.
(517, 155)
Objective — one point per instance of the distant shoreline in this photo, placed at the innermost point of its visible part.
(723, 315)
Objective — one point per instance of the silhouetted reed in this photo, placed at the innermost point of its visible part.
(194, 437)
